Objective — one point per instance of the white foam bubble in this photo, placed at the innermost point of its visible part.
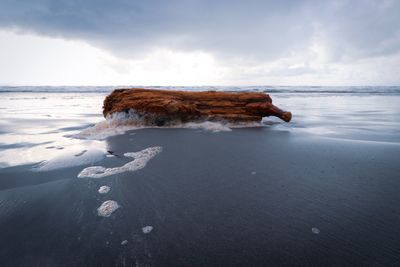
(147, 229)
(315, 230)
(124, 242)
(107, 208)
(140, 160)
(104, 189)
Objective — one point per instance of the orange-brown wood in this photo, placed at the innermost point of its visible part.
(191, 106)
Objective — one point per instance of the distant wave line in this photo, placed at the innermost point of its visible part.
(366, 90)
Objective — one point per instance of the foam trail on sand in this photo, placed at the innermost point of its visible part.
(107, 208)
(140, 160)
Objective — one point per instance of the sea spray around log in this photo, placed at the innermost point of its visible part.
(132, 109)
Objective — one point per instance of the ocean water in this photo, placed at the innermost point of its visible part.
(52, 127)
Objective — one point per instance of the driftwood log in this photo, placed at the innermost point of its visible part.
(163, 106)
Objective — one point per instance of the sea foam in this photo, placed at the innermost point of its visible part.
(115, 124)
(107, 208)
(147, 229)
(206, 125)
(140, 160)
(120, 122)
(104, 189)
(315, 230)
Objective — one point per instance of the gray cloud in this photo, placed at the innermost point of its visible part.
(251, 30)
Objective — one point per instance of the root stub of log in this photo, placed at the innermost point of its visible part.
(186, 106)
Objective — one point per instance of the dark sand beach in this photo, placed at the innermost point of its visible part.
(247, 197)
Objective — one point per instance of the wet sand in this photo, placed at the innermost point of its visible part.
(248, 197)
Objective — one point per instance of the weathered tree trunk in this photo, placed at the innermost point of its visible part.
(185, 106)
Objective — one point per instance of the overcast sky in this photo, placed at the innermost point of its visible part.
(148, 42)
